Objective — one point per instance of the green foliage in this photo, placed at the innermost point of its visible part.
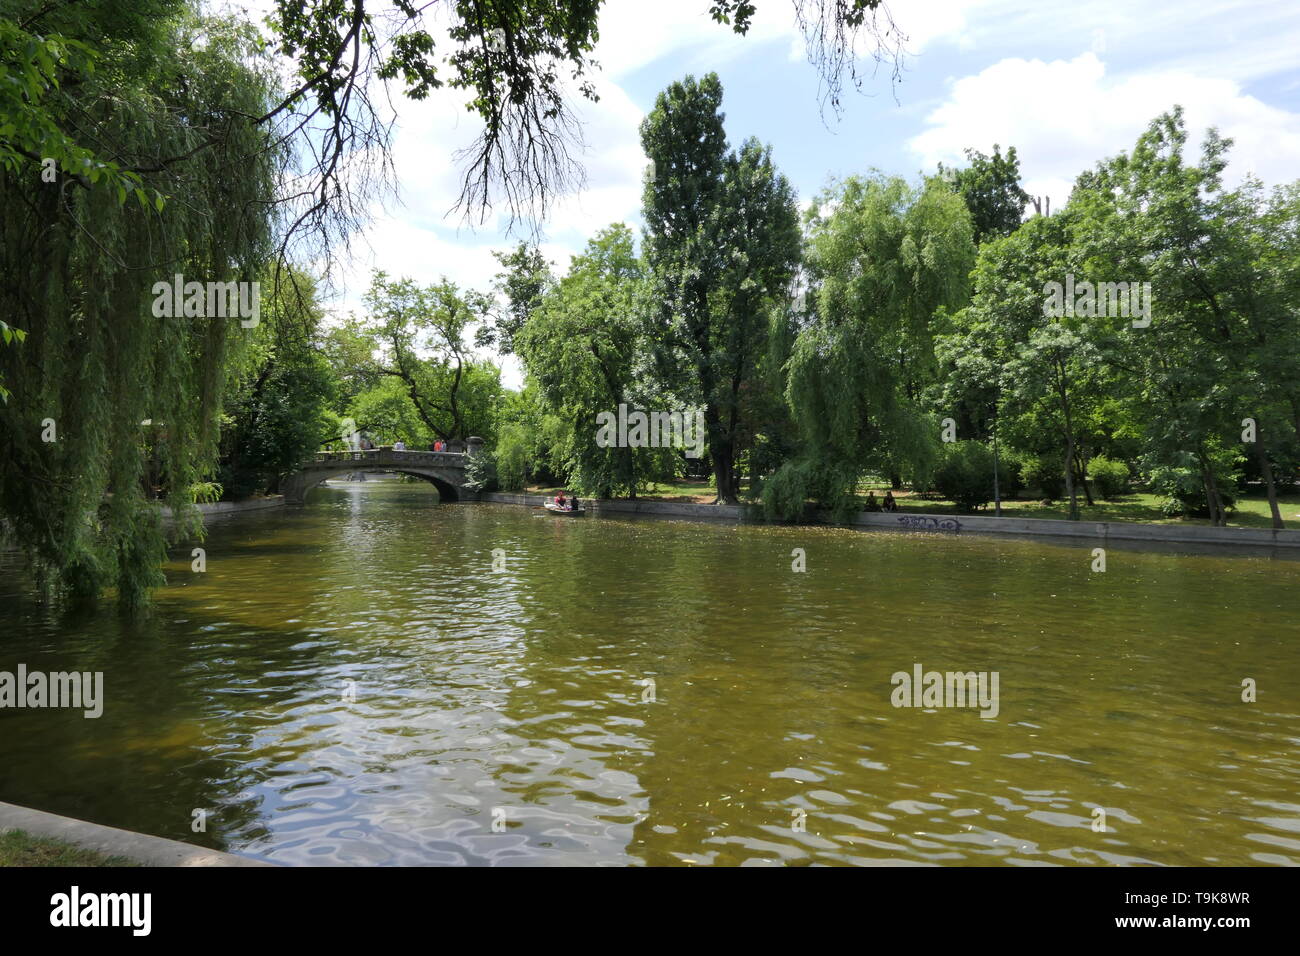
(1043, 474)
(991, 188)
(514, 457)
(481, 472)
(418, 334)
(580, 349)
(885, 260)
(965, 474)
(516, 60)
(523, 282)
(1182, 484)
(32, 68)
(387, 415)
(78, 265)
(1222, 264)
(205, 492)
(275, 423)
(721, 245)
(280, 387)
(1110, 477)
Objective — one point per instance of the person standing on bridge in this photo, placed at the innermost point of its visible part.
(399, 445)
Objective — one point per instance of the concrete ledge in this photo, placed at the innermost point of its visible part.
(1101, 530)
(110, 841)
(952, 524)
(219, 508)
(231, 507)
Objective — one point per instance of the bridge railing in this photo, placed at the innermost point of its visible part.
(450, 458)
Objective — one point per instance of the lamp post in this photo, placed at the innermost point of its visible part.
(997, 497)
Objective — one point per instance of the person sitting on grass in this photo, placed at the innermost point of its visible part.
(890, 503)
(872, 505)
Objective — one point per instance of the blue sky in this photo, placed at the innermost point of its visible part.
(1066, 83)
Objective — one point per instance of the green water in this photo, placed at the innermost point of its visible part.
(500, 715)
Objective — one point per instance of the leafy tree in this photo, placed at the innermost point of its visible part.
(533, 439)
(1040, 372)
(79, 257)
(419, 334)
(1111, 477)
(884, 260)
(722, 245)
(991, 188)
(275, 409)
(523, 282)
(387, 415)
(349, 348)
(1222, 310)
(964, 474)
(580, 349)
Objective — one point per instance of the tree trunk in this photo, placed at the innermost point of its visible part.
(722, 454)
(724, 474)
(1063, 395)
(1069, 477)
(1214, 502)
(1082, 472)
(1266, 470)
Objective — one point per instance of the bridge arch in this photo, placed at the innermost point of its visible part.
(444, 470)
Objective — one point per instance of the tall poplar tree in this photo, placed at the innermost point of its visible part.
(722, 245)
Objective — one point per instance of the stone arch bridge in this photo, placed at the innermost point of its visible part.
(443, 469)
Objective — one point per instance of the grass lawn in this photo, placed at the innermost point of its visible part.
(1251, 512)
(18, 848)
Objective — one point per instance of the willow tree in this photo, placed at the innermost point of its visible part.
(882, 261)
(102, 385)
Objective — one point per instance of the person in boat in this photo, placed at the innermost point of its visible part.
(573, 503)
(890, 503)
(560, 500)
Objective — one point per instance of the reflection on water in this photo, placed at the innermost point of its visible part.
(499, 715)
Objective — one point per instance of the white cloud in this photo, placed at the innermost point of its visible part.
(1065, 115)
(636, 33)
(1241, 40)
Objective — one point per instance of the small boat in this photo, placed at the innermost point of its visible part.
(555, 509)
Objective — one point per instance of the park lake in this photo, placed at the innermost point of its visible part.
(381, 678)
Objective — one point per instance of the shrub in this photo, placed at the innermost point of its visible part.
(1044, 474)
(1183, 492)
(481, 472)
(965, 474)
(514, 458)
(1110, 478)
